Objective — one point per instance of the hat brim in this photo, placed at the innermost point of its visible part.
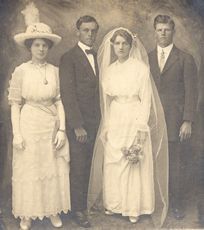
(20, 38)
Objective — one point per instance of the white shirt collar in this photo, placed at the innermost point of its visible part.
(83, 46)
(89, 57)
(166, 49)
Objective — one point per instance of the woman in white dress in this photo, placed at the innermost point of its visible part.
(132, 116)
(40, 181)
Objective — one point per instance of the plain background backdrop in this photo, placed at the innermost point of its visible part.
(136, 15)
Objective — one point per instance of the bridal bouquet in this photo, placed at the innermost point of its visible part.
(134, 154)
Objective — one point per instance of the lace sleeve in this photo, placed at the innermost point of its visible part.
(15, 87)
(106, 83)
(57, 97)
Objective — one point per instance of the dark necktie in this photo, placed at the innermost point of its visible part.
(162, 60)
(90, 51)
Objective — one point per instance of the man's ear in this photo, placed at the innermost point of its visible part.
(155, 34)
(77, 32)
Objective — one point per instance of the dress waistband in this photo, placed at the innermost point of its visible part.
(43, 103)
(126, 99)
(46, 107)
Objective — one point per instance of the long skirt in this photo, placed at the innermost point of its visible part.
(128, 188)
(40, 181)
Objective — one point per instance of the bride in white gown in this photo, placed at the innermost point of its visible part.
(131, 115)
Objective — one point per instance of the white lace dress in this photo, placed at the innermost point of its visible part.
(128, 188)
(40, 181)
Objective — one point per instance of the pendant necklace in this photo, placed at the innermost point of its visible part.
(45, 81)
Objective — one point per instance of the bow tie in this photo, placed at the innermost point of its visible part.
(90, 51)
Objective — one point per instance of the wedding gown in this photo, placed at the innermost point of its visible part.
(127, 188)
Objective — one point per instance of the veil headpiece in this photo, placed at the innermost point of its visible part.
(156, 124)
(104, 53)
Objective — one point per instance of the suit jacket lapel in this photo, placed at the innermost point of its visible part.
(155, 64)
(96, 64)
(84, 61)
(172, 58)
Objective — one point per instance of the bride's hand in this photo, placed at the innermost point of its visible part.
(60, 139)
(18, 142)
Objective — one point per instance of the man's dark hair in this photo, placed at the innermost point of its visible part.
(164, 19)
(84, 19)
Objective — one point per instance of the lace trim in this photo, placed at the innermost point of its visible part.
(41, 216)
(143, 212)
(14, 94)
(14, 101)
(39, 138)
(47, 177)
(15, 88)
(135, 214)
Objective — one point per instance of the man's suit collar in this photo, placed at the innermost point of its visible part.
(154, 63)
(82, 58)
(173, 57)
(83, 46)
(165, 49)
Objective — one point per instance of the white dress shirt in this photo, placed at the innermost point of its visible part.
(89, 56)
(166, 51)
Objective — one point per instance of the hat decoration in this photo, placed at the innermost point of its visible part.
(35, 29)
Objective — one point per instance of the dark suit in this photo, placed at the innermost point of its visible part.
(80, 97)
(176, 86)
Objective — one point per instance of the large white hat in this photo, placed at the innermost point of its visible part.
(37, 30)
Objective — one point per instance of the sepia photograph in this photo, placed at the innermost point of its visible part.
(101, 114)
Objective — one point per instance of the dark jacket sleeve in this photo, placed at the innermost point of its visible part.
(190, 83)
(67, 77)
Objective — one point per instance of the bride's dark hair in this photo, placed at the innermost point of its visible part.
(123, 33)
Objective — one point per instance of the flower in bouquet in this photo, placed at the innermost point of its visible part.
(134, 154)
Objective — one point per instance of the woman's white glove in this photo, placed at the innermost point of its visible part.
(18, 142)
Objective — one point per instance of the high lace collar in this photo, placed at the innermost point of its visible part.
(40, 65)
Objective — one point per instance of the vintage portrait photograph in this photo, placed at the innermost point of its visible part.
(101, 114)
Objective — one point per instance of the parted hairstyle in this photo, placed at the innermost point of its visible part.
(164, 19)
(85, 19)
(123, 33)
(28, 42)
